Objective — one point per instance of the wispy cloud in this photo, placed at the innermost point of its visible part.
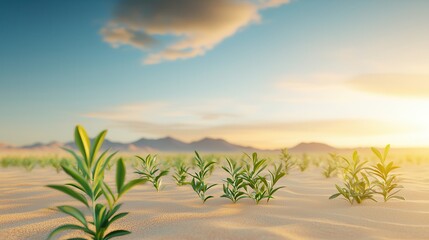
(207, 113)
(272, 134)
(159, 119)
(180, 29)
(401, 85)
(333, 127)
(310, 82)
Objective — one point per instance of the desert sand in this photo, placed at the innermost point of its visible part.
(299, 211)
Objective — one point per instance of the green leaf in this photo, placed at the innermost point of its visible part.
(398, 197)
(116, 233)
(130, 185)
(74, 212)
(64, 228)
(335, 196)
(98, 163)
(82, 142)
(100, 211)
(98, 142)
(83, 183)
(70, 192)
(76, 186)
(386, 151)
(205, 199)
(118, 216)
(120, 175)
(376, 152)
(80, 163)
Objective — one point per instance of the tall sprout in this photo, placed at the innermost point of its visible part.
(198, 181)
(386, 181)
(233, 188)
(287, 160)
(89, 186)
(271, 183)
(255, 187)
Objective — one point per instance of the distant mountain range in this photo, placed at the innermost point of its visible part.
(169, 144)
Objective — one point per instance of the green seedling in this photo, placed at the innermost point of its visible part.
(28, 164)
(357, 187)
(254, 184)
(275, 176)
(287, 160)
(88, 188)
(150, 171)
(181, 174)
(332, 165)
(198, 181)
(386, 182)
(233, 188)
(304, 163)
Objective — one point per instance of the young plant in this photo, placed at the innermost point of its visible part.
(386, 182)
(286, 158)
(150, 171)
(254, 184)
(198, 181)
(275, 176)
(181, 174)
(89, 186)
(357, 187)
(234, 187)
(304, 163)
(332, 165)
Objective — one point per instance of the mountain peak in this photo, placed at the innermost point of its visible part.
(170, 144)
(313, 147)
(209, 139)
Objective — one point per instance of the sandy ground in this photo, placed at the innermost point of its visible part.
(299, 211)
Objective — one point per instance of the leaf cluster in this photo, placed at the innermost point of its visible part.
(150, 171)
(386, 182)
(198, 181)
(303, 163)
(258, 186)
(287, 160)
(234, 185)
(331, 168)
(88, 187)
(181, 174)
(357, 187)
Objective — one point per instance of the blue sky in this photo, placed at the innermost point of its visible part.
(305, 70)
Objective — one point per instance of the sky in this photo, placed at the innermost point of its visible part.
(265, 73)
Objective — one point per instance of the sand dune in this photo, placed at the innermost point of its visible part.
(300, 211)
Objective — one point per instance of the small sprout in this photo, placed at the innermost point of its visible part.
(181, 174)
(275, 176)
(304, 162)
(150, 171)
(357, 187)
(332, 165)
(198, 181)
(386, 182)
(286, 158)
(255, 187)
(234, 187)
